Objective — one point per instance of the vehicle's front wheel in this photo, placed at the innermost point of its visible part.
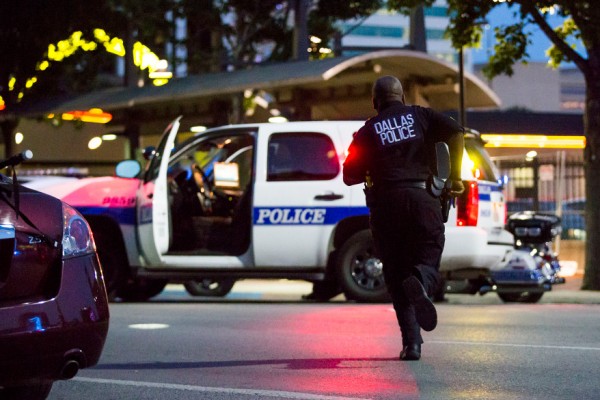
(38, 391)
(359, 270)
(523, 297)
(209, 287)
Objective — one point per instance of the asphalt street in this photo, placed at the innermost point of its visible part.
(269, 344)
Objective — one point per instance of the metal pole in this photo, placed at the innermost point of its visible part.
(301, 31)
(461, 87)
(536, 183)
(417, 32)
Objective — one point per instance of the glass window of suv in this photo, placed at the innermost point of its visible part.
(304, 156)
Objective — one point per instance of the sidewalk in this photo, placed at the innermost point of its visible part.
(570, 292)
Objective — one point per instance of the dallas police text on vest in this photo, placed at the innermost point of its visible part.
(391, 131)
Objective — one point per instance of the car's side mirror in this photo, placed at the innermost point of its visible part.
(128, 169)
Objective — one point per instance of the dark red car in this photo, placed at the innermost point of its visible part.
(53, 306)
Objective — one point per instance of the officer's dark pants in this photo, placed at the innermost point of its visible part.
(408, 230)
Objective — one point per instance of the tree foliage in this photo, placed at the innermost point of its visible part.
(27, 28)
(325, 17)
(239, 33)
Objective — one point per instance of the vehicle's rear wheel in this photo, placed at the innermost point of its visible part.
(523, 297)
(359, 270)
(38, 391)
(209, 287)
(140, 289)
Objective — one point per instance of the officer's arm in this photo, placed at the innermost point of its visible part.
(456, 145)
(448, 130)
(354, 169)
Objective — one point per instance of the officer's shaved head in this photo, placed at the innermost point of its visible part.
(385, 89)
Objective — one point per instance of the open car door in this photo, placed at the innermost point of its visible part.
(154, 225)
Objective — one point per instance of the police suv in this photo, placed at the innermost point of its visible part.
(265, 201)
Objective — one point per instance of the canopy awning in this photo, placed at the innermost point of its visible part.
(332, 88)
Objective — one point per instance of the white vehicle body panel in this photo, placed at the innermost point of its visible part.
(290, 222)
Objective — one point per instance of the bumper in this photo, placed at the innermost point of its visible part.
(473, 248)
(51, 339)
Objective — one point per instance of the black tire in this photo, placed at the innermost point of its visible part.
(112, 256)
(140, 289)
(359, 271)
(38, 391)
(439, 295)
(523, 297)
(209, 287)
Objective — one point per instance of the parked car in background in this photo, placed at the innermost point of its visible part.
(54, 312)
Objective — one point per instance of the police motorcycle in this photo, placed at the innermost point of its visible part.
(533, 267)
(526, 273)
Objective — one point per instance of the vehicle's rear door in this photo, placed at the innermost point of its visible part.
(299, 194)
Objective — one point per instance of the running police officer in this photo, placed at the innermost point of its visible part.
(393, 153)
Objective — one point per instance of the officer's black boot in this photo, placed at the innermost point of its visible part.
(411, 352)
(411, 332)
(425, 312)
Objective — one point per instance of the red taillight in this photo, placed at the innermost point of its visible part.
(467, 206)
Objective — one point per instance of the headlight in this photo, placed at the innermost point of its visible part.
(77, 235)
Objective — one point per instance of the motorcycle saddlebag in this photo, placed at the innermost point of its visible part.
(533, 227)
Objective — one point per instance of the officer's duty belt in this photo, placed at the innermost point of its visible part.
(409, 184)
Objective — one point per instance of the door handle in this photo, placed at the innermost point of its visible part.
(329, 197)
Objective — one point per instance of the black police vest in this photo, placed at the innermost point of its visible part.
(400, 152)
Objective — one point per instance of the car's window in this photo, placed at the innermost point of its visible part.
(304, 156)
(483, 166)
(227, 148)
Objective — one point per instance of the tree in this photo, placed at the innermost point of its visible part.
(581, 22)
(237, 34)
(27, 28)
(325, 17)
(245, 33)
(150, 22)
(203, 37)
(51, 49)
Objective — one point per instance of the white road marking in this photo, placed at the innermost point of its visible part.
(205, 389)
(533, 346)
(149, 326)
